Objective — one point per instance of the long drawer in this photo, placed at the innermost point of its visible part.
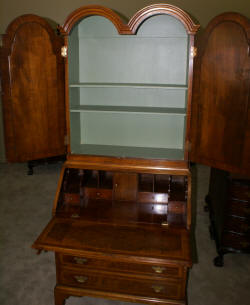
(164, 289)
(141, 269)
(239, 208)
(236, 242)
(239, 225)
(240, 191)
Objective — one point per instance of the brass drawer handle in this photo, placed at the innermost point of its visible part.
(80, 260)
(158, 269)
(157, 288)
(80, 279)
(164, 224)
(75, 215)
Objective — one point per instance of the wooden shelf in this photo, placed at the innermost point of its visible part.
(100, 108)
(128, 151)
(131, 36)
(128, 85)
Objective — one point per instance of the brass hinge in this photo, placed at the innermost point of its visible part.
(193, 51)
(64, 51)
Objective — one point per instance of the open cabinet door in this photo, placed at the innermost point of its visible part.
(33, 90)
(220, 111)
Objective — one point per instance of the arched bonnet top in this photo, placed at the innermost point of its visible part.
(134, 23)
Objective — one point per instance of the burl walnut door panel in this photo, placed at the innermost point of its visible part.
(33, 87)
(220, 119)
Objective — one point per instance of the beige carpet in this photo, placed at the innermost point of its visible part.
(28, 279)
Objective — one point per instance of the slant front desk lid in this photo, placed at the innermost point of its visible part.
(75, 237)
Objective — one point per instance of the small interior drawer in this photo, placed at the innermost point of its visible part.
(98, 193)
(141, 269)
(71, 198)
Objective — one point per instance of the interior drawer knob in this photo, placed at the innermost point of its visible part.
(157, 288)
(80, 279)
(80, 260)
(158, 269)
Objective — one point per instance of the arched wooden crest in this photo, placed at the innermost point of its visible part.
(131, 29)
(134, 22)
(162, 8)
(91, 10)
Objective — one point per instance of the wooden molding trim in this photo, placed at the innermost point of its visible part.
(89, 10)
(128, 164)
(163, 8)
(135, 21)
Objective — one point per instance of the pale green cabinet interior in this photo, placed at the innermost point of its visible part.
(128, 93)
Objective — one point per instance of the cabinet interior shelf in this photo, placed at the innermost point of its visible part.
(128, 85)
(124, 36)
(100, 108)
(128, 151)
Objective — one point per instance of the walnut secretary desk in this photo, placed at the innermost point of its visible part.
(121, 219)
